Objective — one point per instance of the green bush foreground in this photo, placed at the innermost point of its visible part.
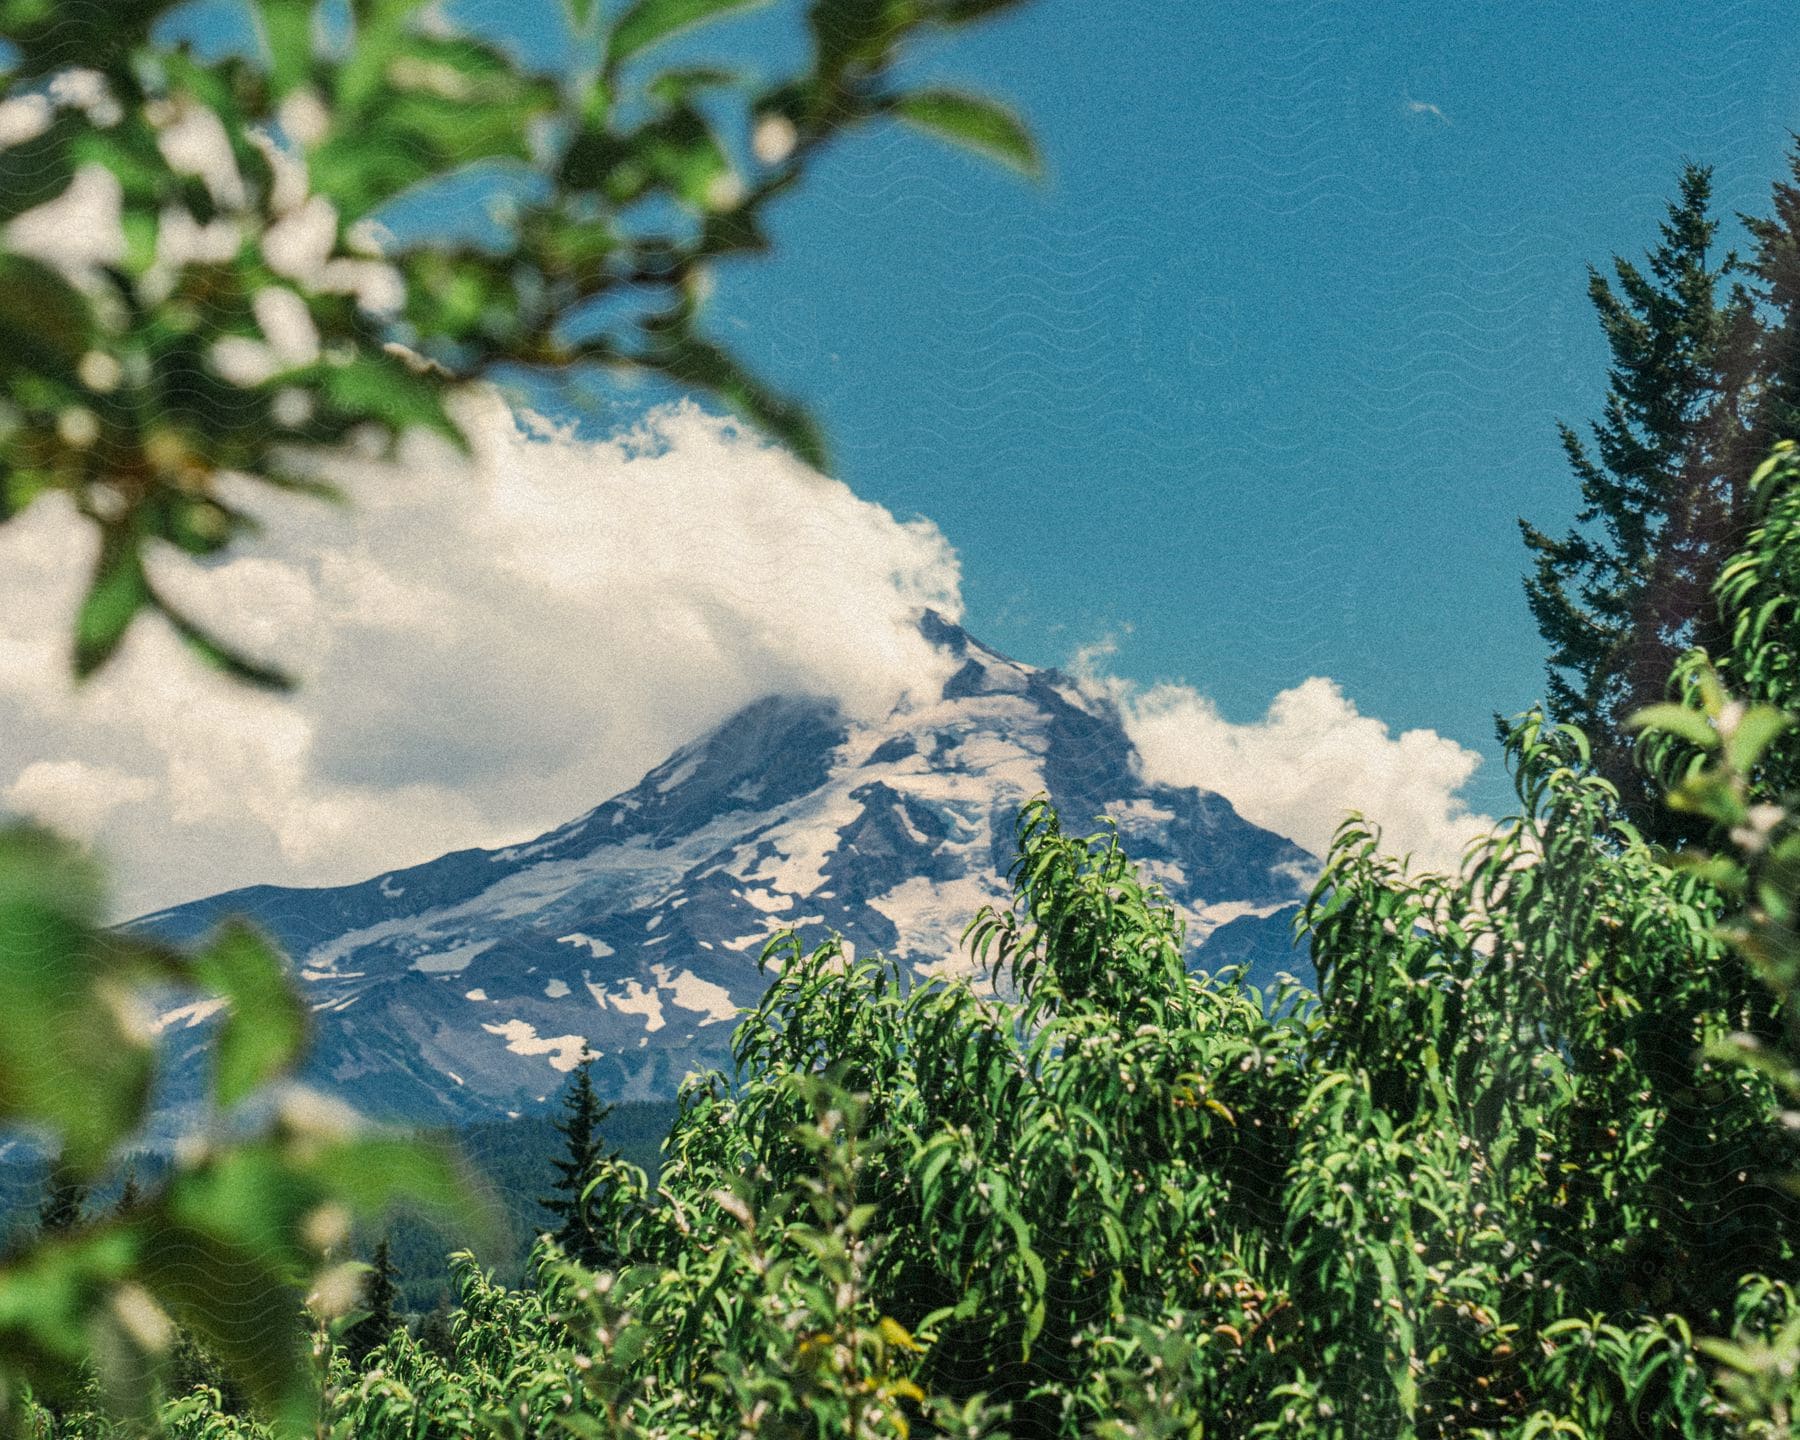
(1520, 1168)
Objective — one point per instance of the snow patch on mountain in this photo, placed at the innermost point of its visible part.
(564, 1051)
(451, 962)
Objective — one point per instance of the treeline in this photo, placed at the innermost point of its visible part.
(1524, 1167)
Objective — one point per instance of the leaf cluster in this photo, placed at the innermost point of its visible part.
(263, 305)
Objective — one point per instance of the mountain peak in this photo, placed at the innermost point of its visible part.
(469, 985)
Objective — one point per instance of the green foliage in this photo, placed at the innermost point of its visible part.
(1621, 597)
(231, 1243)
(258, 313)
(1521, 1168)
(1499, 1178)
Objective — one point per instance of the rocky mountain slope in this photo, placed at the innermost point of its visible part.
(468, 986)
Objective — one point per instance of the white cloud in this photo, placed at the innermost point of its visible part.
(485, 651)
(73, 796)
(1311, 759)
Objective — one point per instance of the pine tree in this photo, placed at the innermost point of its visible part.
(1625, 593)
(369, 1333)
(582, 1116)
(1775, 268)
(129, 1193)
(65, 1197)
(437, 1334)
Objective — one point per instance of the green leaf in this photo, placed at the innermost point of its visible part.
(683, 153)
(75, 1059)
(45, 323)
(975, 123)
(287, 34)
(221, 656)
(376, 1173)
(649, 22)
(48, 1298)
(38, 170)
(244, 1304)
(675, 86)
(116, 594)
(1678, 720)
(1753, 735)
(384, 388)
(264, 1033)
(699, 362)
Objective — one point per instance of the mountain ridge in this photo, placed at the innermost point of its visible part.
(468, 985)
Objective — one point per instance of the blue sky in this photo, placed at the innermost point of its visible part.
(1259, 381)
(1255, 386)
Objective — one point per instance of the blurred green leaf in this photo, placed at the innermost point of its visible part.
(1690, 725)
(649, 22)
(245, 1305)
(1756, 730)
(221, 656)
(48, 1296)
(37, 170)
(44, 321)
(975, 123)
(682, 152)
(377, 1173)
(287, 34)
(264, 1031)
(75, 1052)
(118, 591)
(385, 387)
(695, 361)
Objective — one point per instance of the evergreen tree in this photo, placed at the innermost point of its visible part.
(129, 1193)
(65, 1196)
(583, 1155)
(437, 1335)
(369, 1333)
(1628, 591)
(1774, 266)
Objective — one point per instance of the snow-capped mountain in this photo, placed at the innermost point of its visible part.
(468, 986)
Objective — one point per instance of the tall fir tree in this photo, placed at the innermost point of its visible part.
(130, 1195)
(1774, 266)
(583, 1114)
(64, 1202)
(369, 1333)
(1663, 488)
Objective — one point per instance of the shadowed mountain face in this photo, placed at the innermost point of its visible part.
(466, 987)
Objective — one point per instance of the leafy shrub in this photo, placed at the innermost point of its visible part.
(1507, 1174)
